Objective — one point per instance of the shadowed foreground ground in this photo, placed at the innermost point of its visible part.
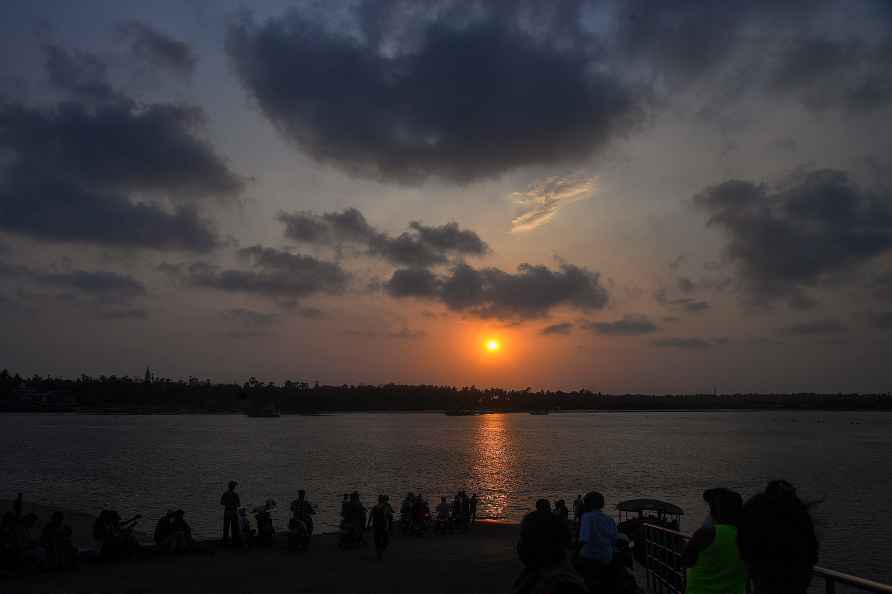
(481, 561)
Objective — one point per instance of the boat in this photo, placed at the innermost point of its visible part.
(633, 514)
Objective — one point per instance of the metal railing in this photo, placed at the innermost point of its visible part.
(665, 575)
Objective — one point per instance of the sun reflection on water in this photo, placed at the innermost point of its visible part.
(493, 467)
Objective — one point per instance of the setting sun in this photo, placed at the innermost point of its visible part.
(492, 345)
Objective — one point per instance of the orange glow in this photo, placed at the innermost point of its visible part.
(492, 345)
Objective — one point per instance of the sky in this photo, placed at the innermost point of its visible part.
(630, 196)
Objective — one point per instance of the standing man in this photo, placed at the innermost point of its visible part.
(230, 503)
(379, 520)
(597, 538)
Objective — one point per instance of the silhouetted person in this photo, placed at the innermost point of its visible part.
(230, 502)
(777, 541)
(711, 554)
(56, 540)
(543, 505)
(379, 520)
(443, 515)
(407, 512)
(164, 537)
(561, 512)
(597, 539)
(182, 527)
(473, 505)
(303, 511)
(542, 548)
(114, 535)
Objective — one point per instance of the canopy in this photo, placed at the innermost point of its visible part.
(639, 505)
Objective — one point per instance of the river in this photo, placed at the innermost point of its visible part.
(148, 464)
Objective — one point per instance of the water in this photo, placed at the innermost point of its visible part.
(148, 464)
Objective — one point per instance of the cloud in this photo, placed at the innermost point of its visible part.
(159, 49)
(685, 285)
(458, 95)
(881, 320)
(693, 344)
(629, 325)
(563, 328)
(81, 75)
(827, 73)
(250, 317)
(825, 327)
(492, 293)
(539, 203)
(420, 246)
(130, 313)
(98, 168)
(274, 273)
(797, 234)
(103, 284)
(406, 334)
(696, 306)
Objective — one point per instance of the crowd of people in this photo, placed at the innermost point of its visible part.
(764, 546)
(22, 548)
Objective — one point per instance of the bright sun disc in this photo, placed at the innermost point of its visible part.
(492, 345)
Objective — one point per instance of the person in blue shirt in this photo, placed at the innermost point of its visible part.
(597, 540)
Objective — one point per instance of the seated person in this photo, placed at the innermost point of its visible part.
(56, 540)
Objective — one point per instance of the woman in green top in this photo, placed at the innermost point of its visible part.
(712, 555)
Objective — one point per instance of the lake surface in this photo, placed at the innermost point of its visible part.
(148, 464)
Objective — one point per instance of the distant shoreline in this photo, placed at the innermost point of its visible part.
(137, 413)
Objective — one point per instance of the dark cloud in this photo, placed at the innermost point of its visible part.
(827, 73)
(629, 325)
(130, 313)
(81, 75)
(249, 317)
(685, 285)
(696, 306)
(492, 293)
(406, 334)
(274, 273)
(466, 96)
(693, 344)
(825, 327)
(880, 320)
(101, 286)
(98, 168)
(159, 49)
(797, 234)
(108, 285)
(421, 246)
(563, 328)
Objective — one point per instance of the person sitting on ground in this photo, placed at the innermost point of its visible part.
(302, 511)
(165, 539)
(115, 536)
(181, 527)
(244, 525)
(777, 541)
(597, 539)
(31, 553)
(542, 548)
(711, 553)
